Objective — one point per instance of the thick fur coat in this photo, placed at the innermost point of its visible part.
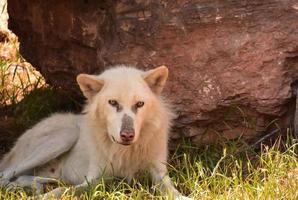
(124, 130)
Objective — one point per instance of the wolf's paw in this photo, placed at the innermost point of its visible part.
(11, 186)
(181, 197)
(4, 182)
(56, 194)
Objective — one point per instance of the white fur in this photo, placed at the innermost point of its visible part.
(81, 148)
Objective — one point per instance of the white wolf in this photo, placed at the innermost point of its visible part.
(124, 130)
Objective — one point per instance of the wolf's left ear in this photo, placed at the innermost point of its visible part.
(156, 78)
(89, 85)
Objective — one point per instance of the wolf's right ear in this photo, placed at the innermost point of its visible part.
(156, 78)
(89, 85)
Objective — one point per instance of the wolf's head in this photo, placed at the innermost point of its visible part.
(122, 98)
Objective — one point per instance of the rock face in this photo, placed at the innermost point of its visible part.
(231, 62)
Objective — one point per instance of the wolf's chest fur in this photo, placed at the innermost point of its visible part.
(111, 160)
(125, 162)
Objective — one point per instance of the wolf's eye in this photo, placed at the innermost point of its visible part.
(140, 104)
(113, 103)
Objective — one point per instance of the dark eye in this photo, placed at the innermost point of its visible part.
(113, 103)
(140, 104)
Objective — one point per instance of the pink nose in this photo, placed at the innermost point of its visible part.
(127, 135)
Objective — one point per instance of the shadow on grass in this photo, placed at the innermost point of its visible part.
(36, 105)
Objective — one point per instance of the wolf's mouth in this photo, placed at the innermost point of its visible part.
(122, 143)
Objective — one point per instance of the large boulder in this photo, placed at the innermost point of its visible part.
(231, 62)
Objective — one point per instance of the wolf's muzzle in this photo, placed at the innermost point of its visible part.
(127, 132)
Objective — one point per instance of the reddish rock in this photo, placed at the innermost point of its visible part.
(231, 62)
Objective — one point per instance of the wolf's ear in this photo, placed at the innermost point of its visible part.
(89, 85)
(156, 78)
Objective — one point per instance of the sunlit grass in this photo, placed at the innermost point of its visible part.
(210, 172)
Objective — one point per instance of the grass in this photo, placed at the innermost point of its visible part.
(223, 171)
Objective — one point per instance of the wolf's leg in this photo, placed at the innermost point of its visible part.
(3, 182)
(57, 192)
(160, 176)
(34, 182)
(46, 148)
